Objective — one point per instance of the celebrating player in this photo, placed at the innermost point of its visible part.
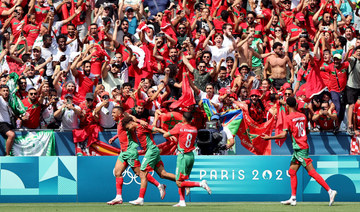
(128, 156)
(151, 160)
(296, 125)
(186, 135)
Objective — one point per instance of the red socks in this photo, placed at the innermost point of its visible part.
(182, 193)
(152, 180)
(119, 183)
(142, 192)
(293, 180)
(319, 179)
(190, 184)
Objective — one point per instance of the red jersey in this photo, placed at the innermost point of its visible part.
(41, 13)
(31, 32)
(16, 26)
(3, 17)
(288, 17)
(294, 31)
(326, 123)
(186, 135)
(89, 117)
(146, 139)
(324, 74)
(34, 111)
(296, 124)
(341, 74)
(357, 115)
(126, 138)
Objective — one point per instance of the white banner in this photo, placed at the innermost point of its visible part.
(35, 143)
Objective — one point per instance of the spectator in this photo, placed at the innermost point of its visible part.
(325, 117)
(103, 110)
(22, 93)
(6, 128)
(33, 106)
(68, 113)
(87, 107)
(256, 107)
(48, 120)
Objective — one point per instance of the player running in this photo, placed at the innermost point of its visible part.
(128, 156)
(296, 125)
(186, 136)
(151, 160)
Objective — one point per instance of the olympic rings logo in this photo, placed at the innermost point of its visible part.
(129, 176)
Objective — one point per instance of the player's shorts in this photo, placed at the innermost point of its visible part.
(151, 160)
(301, 157)
(131, 157)
(184, 165)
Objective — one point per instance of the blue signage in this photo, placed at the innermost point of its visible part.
(231, 178)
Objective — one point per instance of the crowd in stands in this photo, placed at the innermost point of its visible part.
(77, 59)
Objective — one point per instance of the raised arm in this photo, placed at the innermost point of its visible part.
(187, 64)
(206, 42)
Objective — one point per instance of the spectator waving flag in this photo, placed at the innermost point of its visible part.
(314, 83)
(14, 101)
(166, 26)
(187, 97)
(209, 108)
(232, 120)
(250, 135)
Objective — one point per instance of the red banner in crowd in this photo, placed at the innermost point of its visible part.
(187, 97)
(250, 134)
(279, 126)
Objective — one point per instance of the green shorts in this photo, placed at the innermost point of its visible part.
(184, 165)
(151, 160)
(301, 157)
(131, 157)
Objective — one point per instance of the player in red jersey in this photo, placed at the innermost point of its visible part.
(186, 136)
(128, 156)
(151, 160)
(296, 125)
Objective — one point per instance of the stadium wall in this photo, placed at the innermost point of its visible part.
(324, 143)
(232, 178)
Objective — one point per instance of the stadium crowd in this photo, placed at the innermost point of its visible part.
(76, 59)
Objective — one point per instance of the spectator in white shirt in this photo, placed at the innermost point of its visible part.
(5, 114)
(103, 111)
(68, 113)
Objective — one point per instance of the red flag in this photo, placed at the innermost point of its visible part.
(250, 134)
(169, 120)
(166, 26)
(202, 38)
(187, 97)
(314, 83)
(91, 133)
(279, 126)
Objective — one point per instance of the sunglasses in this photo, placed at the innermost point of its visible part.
(94, 28)
(89, 100)
(206, 56)
(277, 30)
(287, 94)
(23, 83)
(181, 27)
(32, 94)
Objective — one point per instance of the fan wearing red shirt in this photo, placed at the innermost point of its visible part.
(295, 29)
(31, 30)
(41, 11)
(185, 135)
(5, 12)
(356, 117)
(296, 125)
(33, 109)
(325, 118)
(337, 83)
(286, 13)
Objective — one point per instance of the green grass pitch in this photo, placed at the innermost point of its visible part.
(166, 207)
